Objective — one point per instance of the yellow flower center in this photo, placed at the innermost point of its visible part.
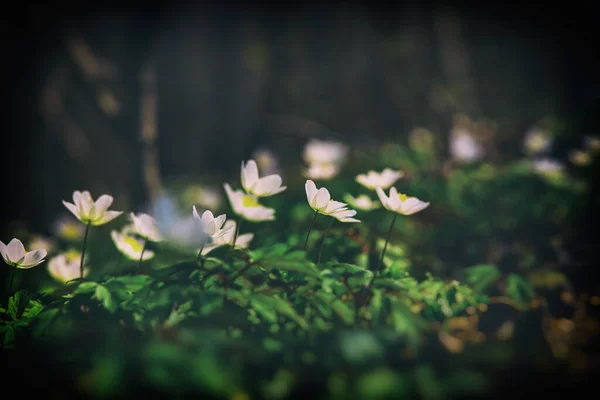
(135, 245)
(249, 201)
(72, 255)
(402, 197)
(70, 231)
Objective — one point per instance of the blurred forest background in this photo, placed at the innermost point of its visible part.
(119, 102)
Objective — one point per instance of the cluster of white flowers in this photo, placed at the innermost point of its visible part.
(207, 231)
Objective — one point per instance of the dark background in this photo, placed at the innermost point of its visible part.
(327, 74)
(361, 74)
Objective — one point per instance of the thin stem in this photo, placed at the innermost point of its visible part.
(389, 235)
(142, 255)
(237, 232)
(324, 237)
(200, 258)
(310, 228)
(87, 230)
(10, 282)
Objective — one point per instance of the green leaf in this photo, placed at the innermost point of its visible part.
(339, 307)
(35, 307)
(279, 305)
(104, 295)
(85, 287)
(520, 290)
(406, 323)
(17, 304)
(9, 337)
(479, 277)
(43, 321)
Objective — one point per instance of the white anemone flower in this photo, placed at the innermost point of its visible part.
(90, 212)
(267, 160)
(464, 147)
(579, 157)
(247, 206)
(65, 267)
(537, 141)
(320, 201)
(242, 240)
(345, 215)
(362, 202)
(67, 227)
(400, 203)
(385, 178)
(40, 242)
(323, 171)
(211, 225)
(129, 245)
(549, 168)
(145, 226)
(324, 152)
(182, 229)
(259, 187)
(14, 254)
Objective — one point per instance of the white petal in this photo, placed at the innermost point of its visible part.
(15, 250)
(234, 199)
(219, 221)
(382, 197)
(3, 252)
(395, 203)
(107, 217)
(322, 199)
(363, 180)
(87, 203)
(33, 258)
(249, 175)
(334, 206)
(244, 239)
(195, 213)
(267, 185)
(102, 205)
(311, 191)
(412, 206)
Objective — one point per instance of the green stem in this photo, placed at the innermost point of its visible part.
(237, 232)
(310, 228)
(142, 255)
(324, 237)
(389, 235)
(87, 230)
(200, 258)
(10, 283)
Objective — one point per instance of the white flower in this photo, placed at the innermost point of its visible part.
(14, 254)
(242, 240)
(267, 161)
(65, 267)
(205, 196)
(321, 202)
(182, 229)
(259, 187)
(88, 211)
(537, 141)
(248, 206)
(362, 202)
(464, 147)
(385, 178)
(400, 203)
(344, 215)
(321, 171)
(129, 245)
(324, 152)
(579, 157)
(40, 242)
(549, 168)
(212, 227)
(591, 142)
(68, 228)
(145, 226)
